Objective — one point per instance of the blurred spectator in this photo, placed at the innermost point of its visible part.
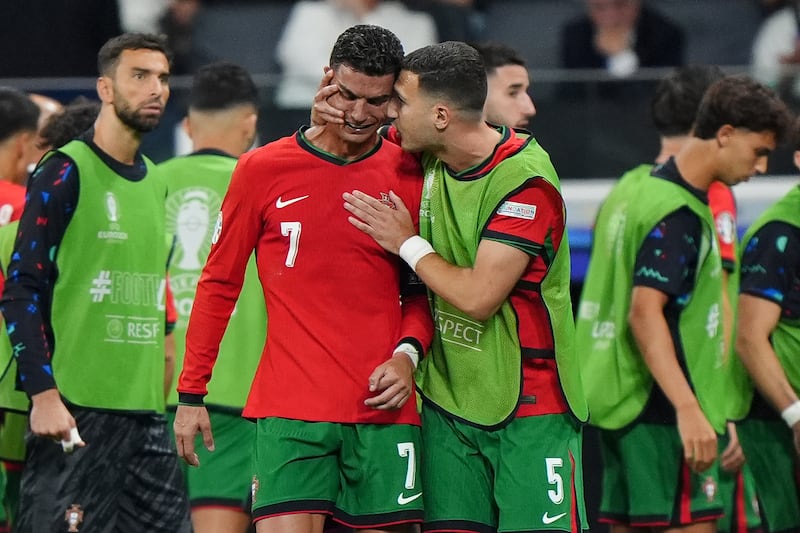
(769, 7)
(141, 15)
(313, 26)
(55, 37)
(456, 20)
(776, 51)
(177, 23)
(620, 36)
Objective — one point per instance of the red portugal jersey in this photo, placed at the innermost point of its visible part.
(332, 293)
(12, 200)
(723, 207)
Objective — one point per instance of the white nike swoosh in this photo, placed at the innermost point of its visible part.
(550, 519)
(281, 204)
(402, 500)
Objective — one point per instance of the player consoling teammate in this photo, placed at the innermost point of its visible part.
(337, 429)
(474, 313)
(649, 325)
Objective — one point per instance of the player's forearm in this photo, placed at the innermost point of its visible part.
(460, 287)
(169, 363)
(765, 369)
(416, 324)
(652, 336)
(29, 344)
(211, 311)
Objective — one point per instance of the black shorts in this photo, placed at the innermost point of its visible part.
(126, 478)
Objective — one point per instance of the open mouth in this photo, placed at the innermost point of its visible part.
(358, 128)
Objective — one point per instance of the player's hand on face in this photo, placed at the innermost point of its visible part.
(393, 383)
(390, 227)
(732, 457)
(322, 112)
(50, 417)
(189, 421)
(698, 437)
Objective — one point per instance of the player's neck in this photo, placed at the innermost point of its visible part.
(696, 162)
(327, 139)
(670, 146)
(118, 140)
(468, 146)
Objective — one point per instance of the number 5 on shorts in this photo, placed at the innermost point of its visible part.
(554, 478)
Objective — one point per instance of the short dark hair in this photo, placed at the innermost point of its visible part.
(451, 69)
(108, 56)
(741, 102)
(496, 55)
(18, 113)
(76, 117)
(678, 96)
(222, 85)
(368, 49)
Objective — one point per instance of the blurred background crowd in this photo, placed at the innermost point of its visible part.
(593, 63)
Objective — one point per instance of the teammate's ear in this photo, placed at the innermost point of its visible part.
(441, 117)
(104, 89)
(724, 135)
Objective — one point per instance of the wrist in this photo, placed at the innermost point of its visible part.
(791, 415)
(190, 399)
(409, 350)
(413, 249)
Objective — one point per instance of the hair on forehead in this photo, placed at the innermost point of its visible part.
(496, 55)
(741, 102)
(371, 50)
(109, 54)
(452, 70)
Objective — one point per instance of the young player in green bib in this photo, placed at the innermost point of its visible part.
(768, 342)
(502, 398)
(650, 333)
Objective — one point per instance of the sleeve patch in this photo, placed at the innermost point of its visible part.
(517, 210)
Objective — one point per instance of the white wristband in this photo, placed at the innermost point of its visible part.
(413, 249)
(408, 349)
(791, 415)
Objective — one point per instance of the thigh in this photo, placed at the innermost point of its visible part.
(296, 467)
(380, 476)
(655, 485)
(740, 504)
(538, 484)
(770, 453)
(154, 498)
(457, 480)
(12, 436)
(80, 490)
(224, 476)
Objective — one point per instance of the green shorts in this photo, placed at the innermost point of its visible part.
(224, 476)
(364, 475)
(647, 483)
(525, 476)
(739, 500)
(12, 436)
(769, 448)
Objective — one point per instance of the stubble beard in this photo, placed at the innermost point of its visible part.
(133, 120)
